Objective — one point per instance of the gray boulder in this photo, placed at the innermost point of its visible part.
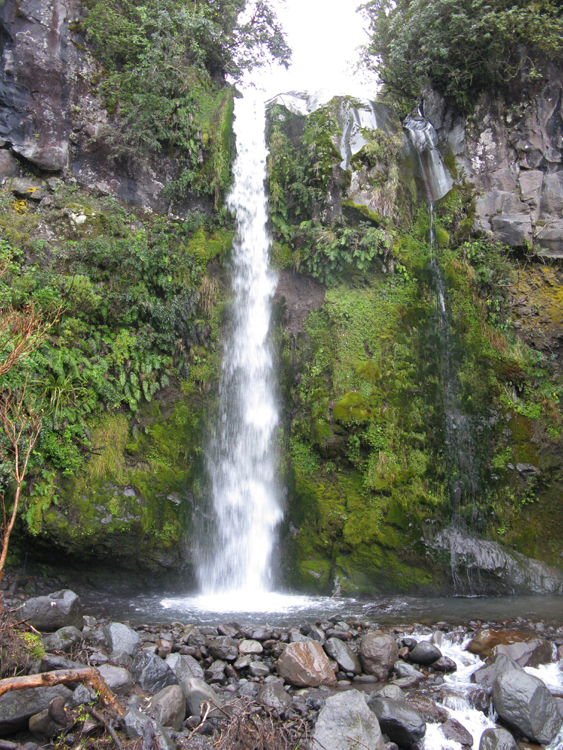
(497, 739)
(456, 732)
(184, 667)
(224, 648)
(152, 673)
(343, 655)
(169, 707)
(495, 666)
(196, 692)
(346, 723)
(121, 637)
(138, 724)
(259, 669)
(401, 723)
(425, 653)
(52, 612)
(378, 654)
(118, 679)
(305, 665)
(63, 639)
(390, 691)
(530, 653)
(18, 706)
(274, 695)
(524, 702)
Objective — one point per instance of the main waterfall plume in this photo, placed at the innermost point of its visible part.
(240, 459)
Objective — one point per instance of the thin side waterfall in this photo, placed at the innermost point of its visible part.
(240, 459)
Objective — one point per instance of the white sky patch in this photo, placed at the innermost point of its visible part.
(324, 36)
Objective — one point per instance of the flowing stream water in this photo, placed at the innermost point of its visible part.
(235, 559)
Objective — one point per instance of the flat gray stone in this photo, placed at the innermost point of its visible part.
(121, 637)
(346, 723)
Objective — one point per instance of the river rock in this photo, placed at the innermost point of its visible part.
(215, 673)
(444, 664)
(274, 695)
(497, 739)
(426, 707)
(169, 707)
(495, 666)
(224, 648)
(346, 723)
(243, 662)
(138, 724)
(42, 726)
(317, 634)
(305, 665)
(63, 639)
(50, 662)
(343, 654)
(198, 691)
(121, 637)
(456, 732)
(425, 653)
(118, 679)
(401, 723)
(259, 669)
(390, 691)
(524, 702)
(184, 667)
(18, 706)
(54, 611)
(526, 649)
(152, 673)
(378, 654)
(250, 647)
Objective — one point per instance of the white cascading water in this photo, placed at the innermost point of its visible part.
(240, 461)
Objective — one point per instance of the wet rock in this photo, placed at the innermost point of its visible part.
(343, 655)
(425, 653)
(274, 695)
(169, 707)
(524, 648)
(346, 723)
(305, 665)
(152, 673)
(224, 648)
(95, 637)
(216, 672)
(497, 739)
(81, 695)
(399, 721)
(197, 692)
(54, 611)
(63, 639)
(429, 710)
(18, 706)
(121, 659)
(456, 732)
(259, 669)
(250, 647)
(42, 726)
(229, 630)
(118, 679)
(243, 662)
(184, 667)
(262, 634)
(402, 669)
(138, 724)
(51, 662)
(444, 664)
(410, 643)
(495, 666)
(248, 689)
(121, 637)
(524, 702)
(378, 654)
(390, 691)
(317, 634)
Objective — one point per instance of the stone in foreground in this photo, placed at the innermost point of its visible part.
(378, 654)
(343, 654)
(121, 637)
(52, 612)
(152, 673)
(497, 739)
(305, 665)
(524, 702)
(169, 707)
(401, 723)
(346, 723)
(18, 706)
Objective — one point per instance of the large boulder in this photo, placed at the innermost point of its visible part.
(524, 702)
(526, 649)
(497, 739)
(54, 611)
(121, 637)
(495, 666)
(224, 648)
(425, 653)
(346, 723)
(169, 707)
(401, 723)
(184, 667)
(138, 724)
(118, 679)
(152, 673)
(343, 655)
(18, 706)
(63, 639)
(305, 665)
(378, 654)
(198, 692)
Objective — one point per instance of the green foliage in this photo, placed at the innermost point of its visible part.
(459, 48)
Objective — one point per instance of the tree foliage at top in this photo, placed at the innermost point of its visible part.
(459, 47)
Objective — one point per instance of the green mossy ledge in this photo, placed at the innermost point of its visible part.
(362, 449)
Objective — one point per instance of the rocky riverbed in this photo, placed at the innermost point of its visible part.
(331, 684)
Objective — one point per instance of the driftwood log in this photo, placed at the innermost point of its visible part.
(87, 675)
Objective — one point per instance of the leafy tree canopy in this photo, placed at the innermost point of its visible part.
(459, 47)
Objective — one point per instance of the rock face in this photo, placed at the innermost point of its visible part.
(524, 702)
(305, 665)
(513, 156)
(58, 610)
(378, 654)
(345, 722)
(401, 723)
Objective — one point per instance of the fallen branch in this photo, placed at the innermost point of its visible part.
(87, 675)
(98, 716)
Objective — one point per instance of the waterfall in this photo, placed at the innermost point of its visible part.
(433, 178)
(240, 461)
